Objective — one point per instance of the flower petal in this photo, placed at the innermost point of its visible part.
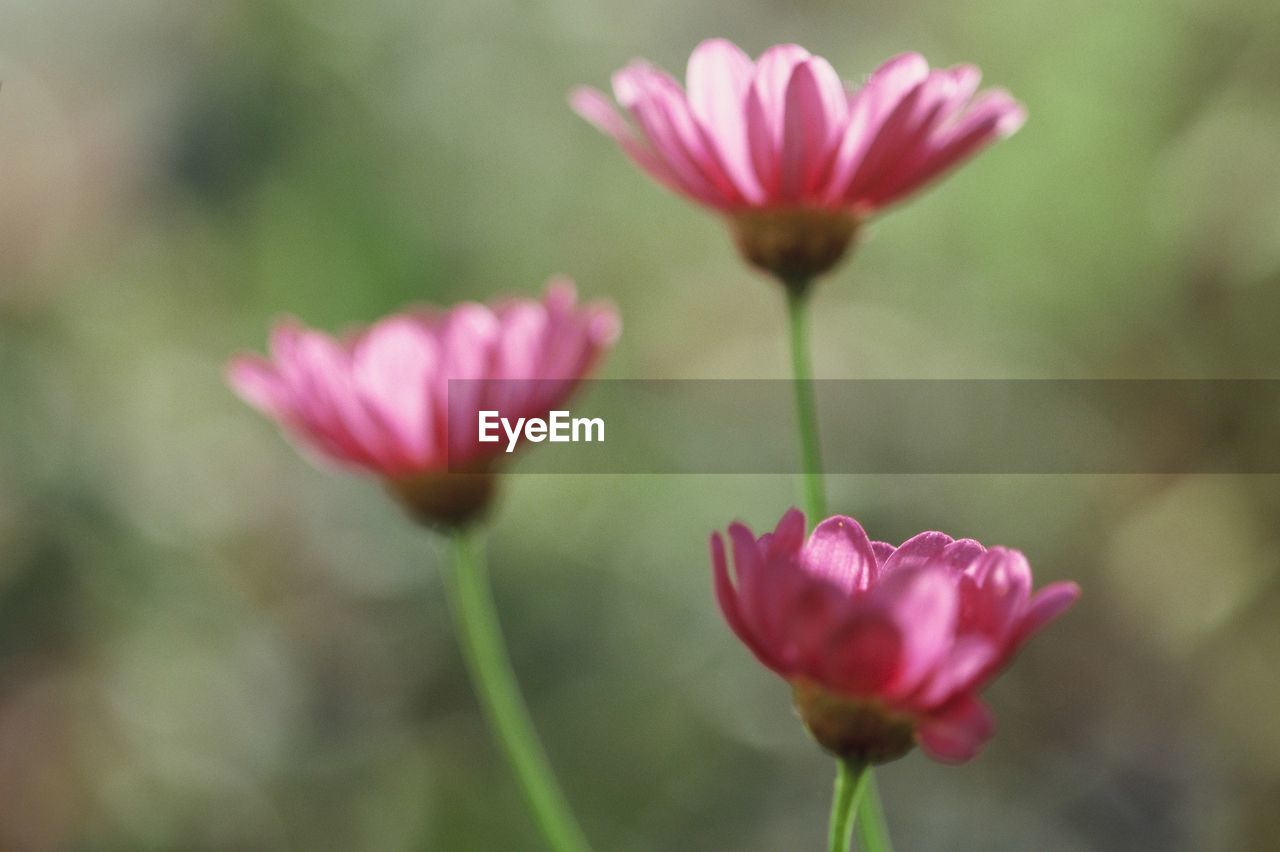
(756, 589)
(883, 550)
(727, 598)
(659, 107)
(815, 109)
(393, 365)
(1003, 582)
(995, 115)
(918, 551)
(593, 106)
(958, 731)
(960, 554)
(868, 107)
(766, 111)
(257, 382)
(863, 656)
(923, 604)
(969, 659)
(787, 538)
(718, 77)
(839, 552)
(1046, 605)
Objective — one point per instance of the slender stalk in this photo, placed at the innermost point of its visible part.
(873, 833)
(872, 829)
(815, 503)
(851, 784)
(496, 685)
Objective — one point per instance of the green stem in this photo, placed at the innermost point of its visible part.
(873, 833)
(495, 682)
(851, 784)
(815, 504)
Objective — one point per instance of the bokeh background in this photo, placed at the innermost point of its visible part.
(208, 644)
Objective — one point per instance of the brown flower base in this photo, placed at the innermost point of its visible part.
(794, 245)
(851, 729)
(445, 499)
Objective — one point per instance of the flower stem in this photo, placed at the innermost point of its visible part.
(851, 784)
(495, 682)
(815, 504)
(873, 833)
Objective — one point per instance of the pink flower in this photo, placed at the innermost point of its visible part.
(884, 646)
(785, 148)
(379, 400)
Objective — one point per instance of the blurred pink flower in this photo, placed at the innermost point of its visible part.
(783, 136)
(884, 646)
(379, 400)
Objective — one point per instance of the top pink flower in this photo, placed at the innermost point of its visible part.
(785, 133)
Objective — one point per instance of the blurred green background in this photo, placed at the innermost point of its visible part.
(208, 644)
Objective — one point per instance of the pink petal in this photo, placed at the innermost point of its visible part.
(257, 382)
(815, 107)
(1002, 570)
(904, 137)
(574, 337)
(326, 397)
(1003, 583)
(718, 77)
(466, 337)
(754, 591)
(393, 366)
(969, 659)
(883, 550)
(312, 388)
(600, 320)
(893, 139)
(519, 350)
(958, 731)
(863, 656)
(560, 296)
(772, 77)
(868, 108)
(659, 107)
(942, 94)
(766, 111)
(593, 106)
(814, 613)
(727, 598)
(918, 551)
(839, 552)
(893, 79)
(1046, 605)
(923, 604)
(787, 537)
(960, 554)
(993, 116)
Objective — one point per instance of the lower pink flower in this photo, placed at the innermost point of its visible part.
(884, 647)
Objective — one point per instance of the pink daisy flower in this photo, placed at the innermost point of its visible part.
(884, 647)
(378, 401)
(793, 156)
